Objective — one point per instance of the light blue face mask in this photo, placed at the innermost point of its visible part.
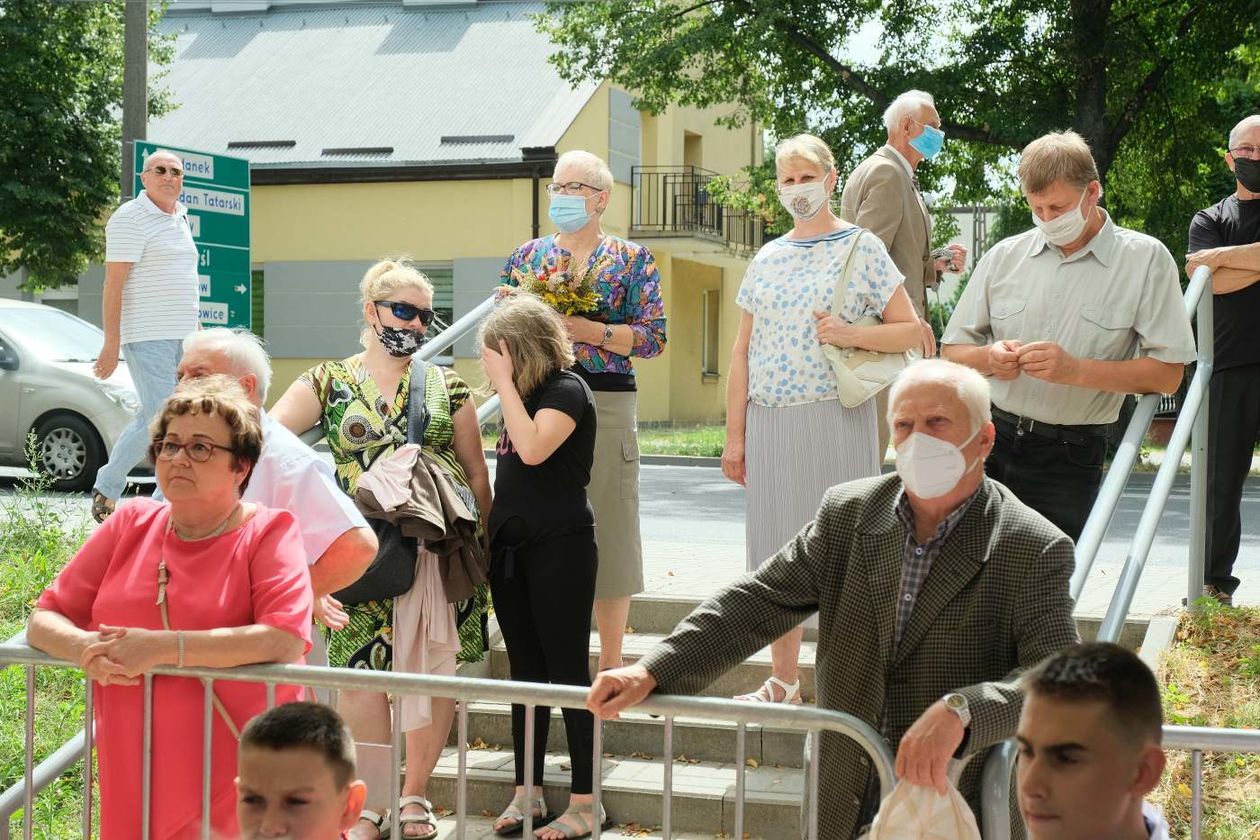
(568, 212)
(929, 143)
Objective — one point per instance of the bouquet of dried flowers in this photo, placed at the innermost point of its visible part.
(567, 293)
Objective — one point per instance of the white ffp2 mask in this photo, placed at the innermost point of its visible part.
(930, 467)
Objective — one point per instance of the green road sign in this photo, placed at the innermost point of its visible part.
(216, 193)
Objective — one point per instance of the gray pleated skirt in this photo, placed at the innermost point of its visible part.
(792, 455)
(614, 495)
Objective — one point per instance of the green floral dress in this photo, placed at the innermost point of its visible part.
(361, 426)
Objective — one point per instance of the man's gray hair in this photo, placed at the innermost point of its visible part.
(1244, 125)
(906, 105)
(243, 350)
(148, 161)
(972, 388)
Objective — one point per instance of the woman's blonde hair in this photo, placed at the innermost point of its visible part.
(1060, 156)
(807, 148)
(381, 281)
(221, 395)
(535, 337)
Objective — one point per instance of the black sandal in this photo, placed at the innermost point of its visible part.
(101, 507)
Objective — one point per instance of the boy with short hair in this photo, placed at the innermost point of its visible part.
(297, 775)
(1089, 747)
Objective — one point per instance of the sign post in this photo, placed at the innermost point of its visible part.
(216, 193)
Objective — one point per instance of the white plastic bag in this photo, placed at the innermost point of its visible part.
(912, 812)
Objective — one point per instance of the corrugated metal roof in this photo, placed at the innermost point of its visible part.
(366, 75)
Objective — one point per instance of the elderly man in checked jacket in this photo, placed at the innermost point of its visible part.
(935, 588)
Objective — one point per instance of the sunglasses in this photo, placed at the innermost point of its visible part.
(174, 172)
(407, 312)
(199, 450)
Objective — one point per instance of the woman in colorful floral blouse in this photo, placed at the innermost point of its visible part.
(361, 404)
(628, 321)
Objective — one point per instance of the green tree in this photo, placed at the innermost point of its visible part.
(60, 99)
(1141, 80)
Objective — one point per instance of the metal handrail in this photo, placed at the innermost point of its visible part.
(998, 768)
(798, 718)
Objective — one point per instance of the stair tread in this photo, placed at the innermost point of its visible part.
(482, 828)
(707, 779)
(637, 644)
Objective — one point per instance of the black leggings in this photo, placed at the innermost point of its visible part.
(544, 611)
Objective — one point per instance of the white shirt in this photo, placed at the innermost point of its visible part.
(291, 476)
(1115, 299)
(1155, 822)
(160, 296)
(786, 282)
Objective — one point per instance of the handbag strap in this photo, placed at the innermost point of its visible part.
(842, 288)
(418, 414)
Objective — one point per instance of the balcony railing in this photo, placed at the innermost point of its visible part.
(675, 201)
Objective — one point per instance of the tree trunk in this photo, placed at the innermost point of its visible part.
(1089, 43)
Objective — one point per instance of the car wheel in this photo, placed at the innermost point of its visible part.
(69, 452)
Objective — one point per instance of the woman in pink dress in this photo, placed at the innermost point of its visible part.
(229, 579)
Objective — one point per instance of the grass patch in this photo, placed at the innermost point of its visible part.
(694, 441)
(34, 546)
(1211, 677)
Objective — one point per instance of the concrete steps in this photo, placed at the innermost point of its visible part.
(481, 828)
(703, 802)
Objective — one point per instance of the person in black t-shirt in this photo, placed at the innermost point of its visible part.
(542, 541)
(1226, 238)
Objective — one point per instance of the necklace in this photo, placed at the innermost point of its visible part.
(216, 532)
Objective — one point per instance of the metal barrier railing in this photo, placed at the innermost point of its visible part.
(809, 720)
(1192, 420)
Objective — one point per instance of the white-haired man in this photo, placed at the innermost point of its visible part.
(882, 195)
(1067, 318)
(1226, 237)
(935, 587)
(289, 475)
(149, 304)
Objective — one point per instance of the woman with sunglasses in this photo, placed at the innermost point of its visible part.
(628, 323)
(135, 597)
(361, 405)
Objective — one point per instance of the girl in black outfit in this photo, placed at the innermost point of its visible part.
(542, 540)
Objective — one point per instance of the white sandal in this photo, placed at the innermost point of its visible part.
(428, 818)
(765, 694)
(380, 821)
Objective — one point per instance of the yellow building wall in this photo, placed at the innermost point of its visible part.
(445, 220)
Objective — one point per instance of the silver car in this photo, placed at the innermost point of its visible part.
(47, 389)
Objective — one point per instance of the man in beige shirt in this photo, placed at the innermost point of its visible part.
(1066, 319)
(882, 195)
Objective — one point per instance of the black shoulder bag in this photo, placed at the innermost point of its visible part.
(393, 570)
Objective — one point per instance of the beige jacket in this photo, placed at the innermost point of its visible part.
(880, 197)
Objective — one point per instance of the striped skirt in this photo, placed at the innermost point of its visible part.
(792, 455)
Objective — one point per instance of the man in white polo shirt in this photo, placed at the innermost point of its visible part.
(289, 475)
(1067, 318)
(149, 305)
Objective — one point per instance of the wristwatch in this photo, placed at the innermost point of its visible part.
(957, 704)
(608, 335)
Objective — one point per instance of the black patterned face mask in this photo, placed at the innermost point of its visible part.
(400, 342)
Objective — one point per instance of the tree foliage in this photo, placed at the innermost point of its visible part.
(61, 67)
(1153, 85)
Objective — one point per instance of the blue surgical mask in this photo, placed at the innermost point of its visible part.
(929, 143)
(568, 212)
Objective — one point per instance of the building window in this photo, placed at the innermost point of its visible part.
(257, 302)
(710, 332)
(442, 276)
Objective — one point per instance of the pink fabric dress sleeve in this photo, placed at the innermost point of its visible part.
(73, 592)
(280, 582)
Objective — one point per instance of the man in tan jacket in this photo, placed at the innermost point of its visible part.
(882, 195)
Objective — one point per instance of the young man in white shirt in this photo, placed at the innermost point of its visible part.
(149, 304)
(289, 475)
(1089, 747)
